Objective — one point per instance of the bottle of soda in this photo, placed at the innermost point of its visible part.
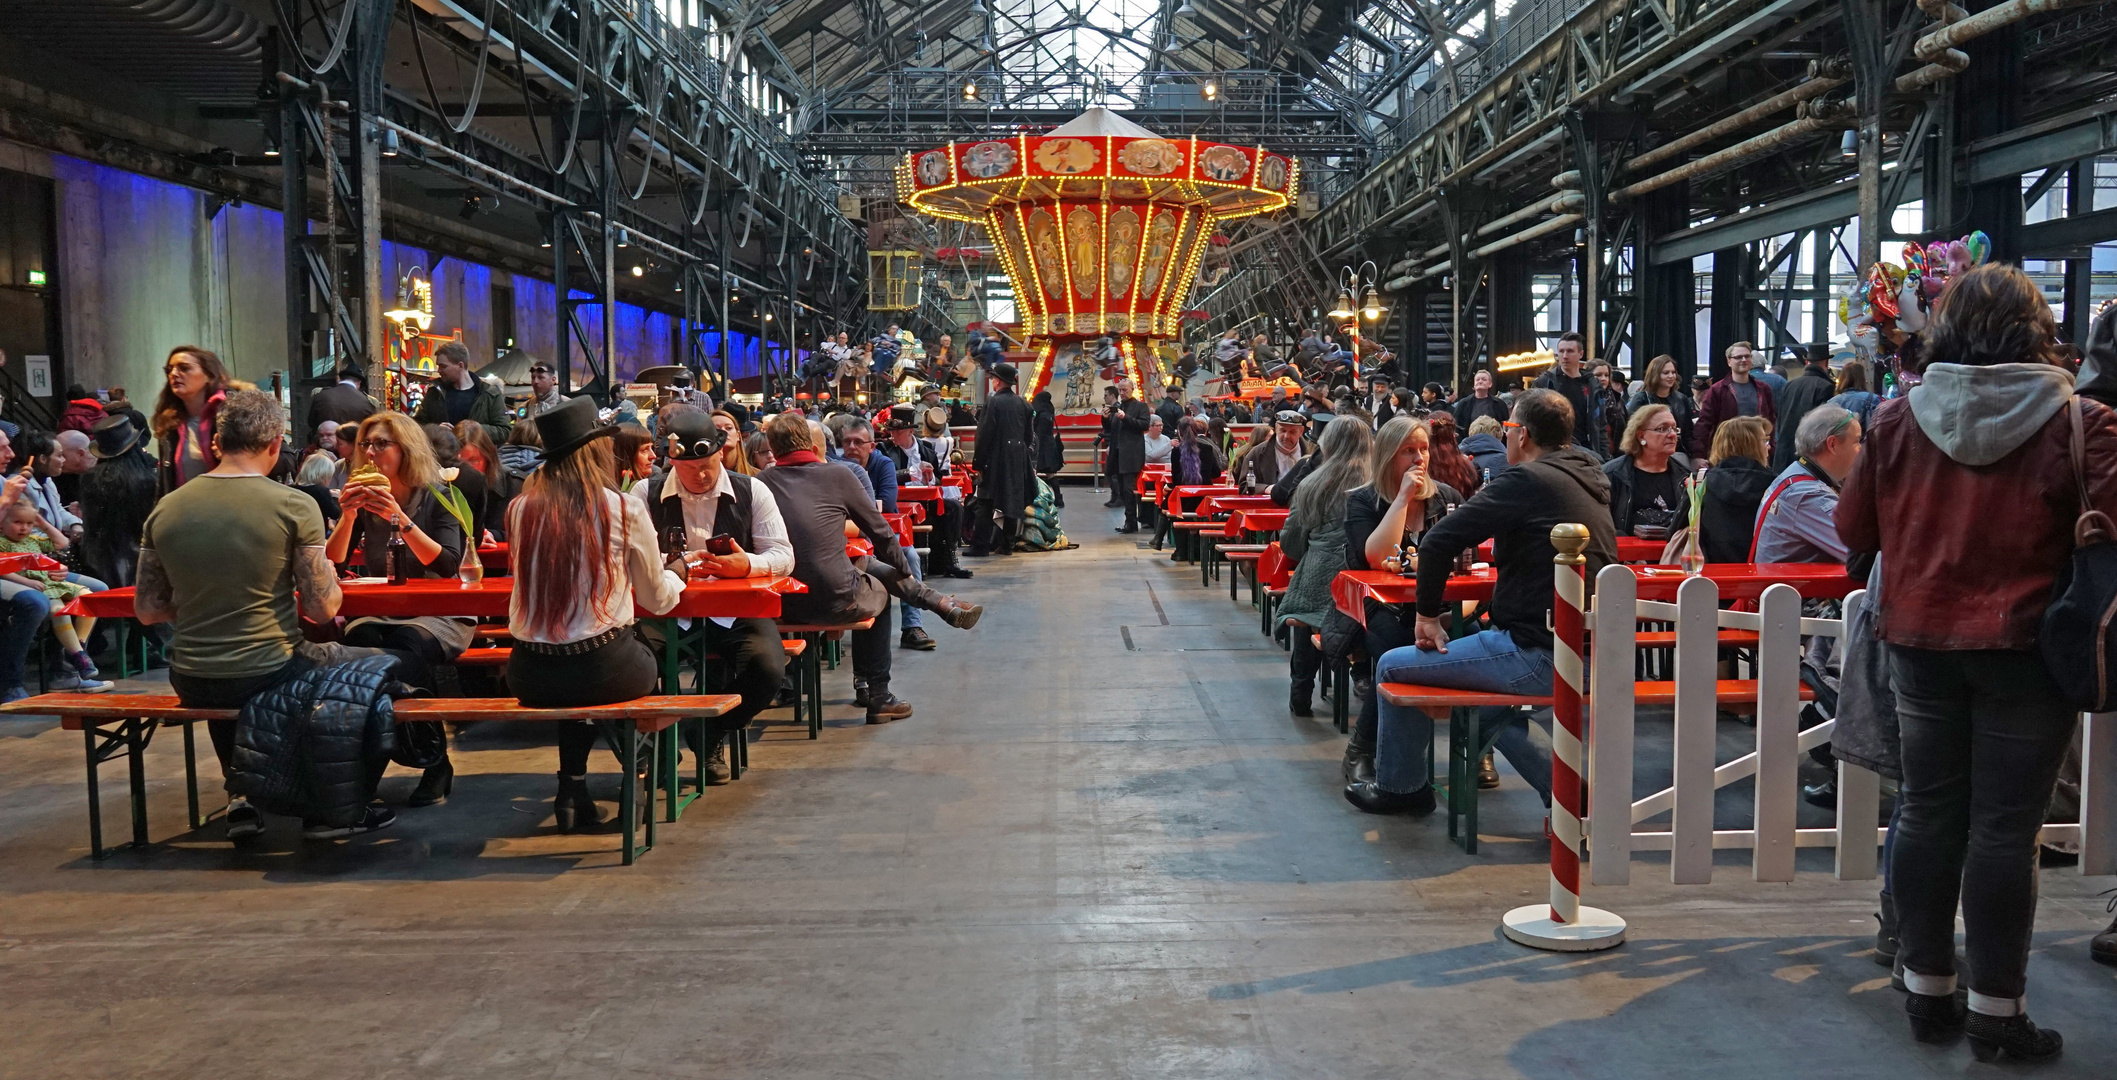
(398, 557)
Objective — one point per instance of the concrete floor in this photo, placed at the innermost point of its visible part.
(1101, 849)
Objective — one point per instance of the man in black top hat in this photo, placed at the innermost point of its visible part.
(693, 503)
(918, 463)
(1006, 470)
(116, 495)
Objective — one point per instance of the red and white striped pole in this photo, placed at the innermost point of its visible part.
(1563, 924)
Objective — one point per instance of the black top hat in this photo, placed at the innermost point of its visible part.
(1004, 373)
(902, 418)
(571, 426)
(115, 436)
(692, 436)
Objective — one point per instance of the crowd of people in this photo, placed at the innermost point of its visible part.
(1941, 690)
(237, 538)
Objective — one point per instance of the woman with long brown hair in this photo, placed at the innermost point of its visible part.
(475, 449)
(583, 555)
(408, 503)
(1448, 463)
(195, 383)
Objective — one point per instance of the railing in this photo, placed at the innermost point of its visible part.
(1773, 835)
(1473, 69)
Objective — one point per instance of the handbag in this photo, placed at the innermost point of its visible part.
(2078, 639)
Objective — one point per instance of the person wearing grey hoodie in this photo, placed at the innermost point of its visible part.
(1967, 489)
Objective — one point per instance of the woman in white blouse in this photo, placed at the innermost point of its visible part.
(583, 554)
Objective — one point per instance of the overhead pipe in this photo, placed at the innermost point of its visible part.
(1942, 62)
(1938, 47)
(1819, 116)
(1570, 179)
(1822, 79)
(1546, 228)
(1566, 200)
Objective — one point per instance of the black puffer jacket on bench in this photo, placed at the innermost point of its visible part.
(302, 748)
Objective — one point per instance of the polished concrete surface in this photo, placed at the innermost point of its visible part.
(1100, 849)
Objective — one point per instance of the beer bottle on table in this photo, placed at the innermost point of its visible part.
(398, 556)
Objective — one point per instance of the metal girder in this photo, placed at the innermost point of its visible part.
(702, 131)
(1603, 46)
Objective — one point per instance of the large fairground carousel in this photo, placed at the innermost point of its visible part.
(1101, 225)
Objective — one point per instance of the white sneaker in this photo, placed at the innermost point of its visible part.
(92, 686)
(243, 820)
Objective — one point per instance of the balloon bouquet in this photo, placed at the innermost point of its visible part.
(1889, 308)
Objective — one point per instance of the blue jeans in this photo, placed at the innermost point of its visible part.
(1488, 660)
(909, 617)
(27, 611)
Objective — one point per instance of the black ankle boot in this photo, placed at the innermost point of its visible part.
(572, 806)
(1300, 699)
(2015, 1036)
(1359, 764)
(1370, 797)
(434, 785)
(1935, 1019)
(1885, 939)
(2102, 948)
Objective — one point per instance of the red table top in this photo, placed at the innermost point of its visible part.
(756, 597)
(1737, 581)
(1630, 549)
(15, 562)
(1264, 519)
(1222, 504)
(918, 493)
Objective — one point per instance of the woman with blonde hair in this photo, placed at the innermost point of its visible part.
(584, 555)
(732, 453)
(394, 489)
(1647, 498)
(1735, 487)
(1399, 502)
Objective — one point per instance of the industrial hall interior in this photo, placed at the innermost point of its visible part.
(1531, 539)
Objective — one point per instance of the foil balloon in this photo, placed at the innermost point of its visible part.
(1977, 247)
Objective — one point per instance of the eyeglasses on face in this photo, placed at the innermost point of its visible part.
(376, 446)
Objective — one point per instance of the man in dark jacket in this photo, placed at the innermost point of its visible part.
(1551, 483)
(1126, 422)
(1170, 407)
(1739, 394)
(457, 395)
(1487, 448)
(816, 499)
(1003, 455)
(1481, 402)
(1579, 390)
(1811, 388)
(342, 402)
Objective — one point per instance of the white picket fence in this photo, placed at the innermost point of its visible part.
(1774, 836)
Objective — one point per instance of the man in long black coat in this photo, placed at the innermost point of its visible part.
(1002, 455)
(1127, 422)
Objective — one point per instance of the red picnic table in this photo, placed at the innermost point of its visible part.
(1224, 504)
(1737, 581)
(493, 556)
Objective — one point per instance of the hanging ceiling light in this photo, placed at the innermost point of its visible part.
(1849, 146)
(970, 90)
(1371, 308)
(1185, 9)
(1343, 309)
(1209, 91)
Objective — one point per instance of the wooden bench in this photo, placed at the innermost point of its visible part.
(1468, 742)
(808, 678)
(124, 724)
